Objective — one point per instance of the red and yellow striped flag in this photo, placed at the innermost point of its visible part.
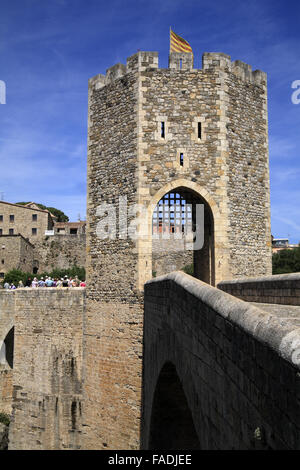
(178, 44)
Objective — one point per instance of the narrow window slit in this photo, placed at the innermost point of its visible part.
(199, 130)
(162, 134)
(181, 159)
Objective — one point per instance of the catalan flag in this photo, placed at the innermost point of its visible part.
(178, 44)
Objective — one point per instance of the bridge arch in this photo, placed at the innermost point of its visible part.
(7, 348)
(6, 328)
(172, 425)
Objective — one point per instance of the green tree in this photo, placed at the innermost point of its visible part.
(61, 216)
(78, 271)
(286, 261)
(15, 275)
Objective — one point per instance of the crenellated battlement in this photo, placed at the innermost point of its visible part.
(219, 60)
(142, 61)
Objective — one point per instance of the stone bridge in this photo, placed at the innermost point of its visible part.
(219, 372)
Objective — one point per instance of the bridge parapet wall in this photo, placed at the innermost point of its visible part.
(238, 366)
(278, 289)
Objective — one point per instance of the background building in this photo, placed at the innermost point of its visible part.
(28, 220)
(69, 228)
(279, 244)
(15, 253)
(35, 242)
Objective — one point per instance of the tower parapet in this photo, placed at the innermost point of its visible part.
(181, 60)
(115, 72)
(242, 70)
(216, 60)
(143, 60)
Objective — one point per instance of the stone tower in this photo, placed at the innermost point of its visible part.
(198, 132)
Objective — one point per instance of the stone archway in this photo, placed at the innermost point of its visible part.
(216, 250)
(172, 425)
(183, 235)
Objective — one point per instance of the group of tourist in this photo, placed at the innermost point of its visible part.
(47, 282)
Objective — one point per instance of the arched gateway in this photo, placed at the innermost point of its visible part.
(181, 219)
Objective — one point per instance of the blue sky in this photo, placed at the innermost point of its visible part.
(50, 48)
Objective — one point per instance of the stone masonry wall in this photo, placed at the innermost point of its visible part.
(170, 255)
(278, 289)
(248, 173)
(61, 252)
(26, 255)
(7, 310)
(47, 379)
(114, 327)
(239, 367)
(6, 389)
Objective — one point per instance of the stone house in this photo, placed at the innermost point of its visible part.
(29, 220)
(70, 228)
(34, 240)
(16, 252)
